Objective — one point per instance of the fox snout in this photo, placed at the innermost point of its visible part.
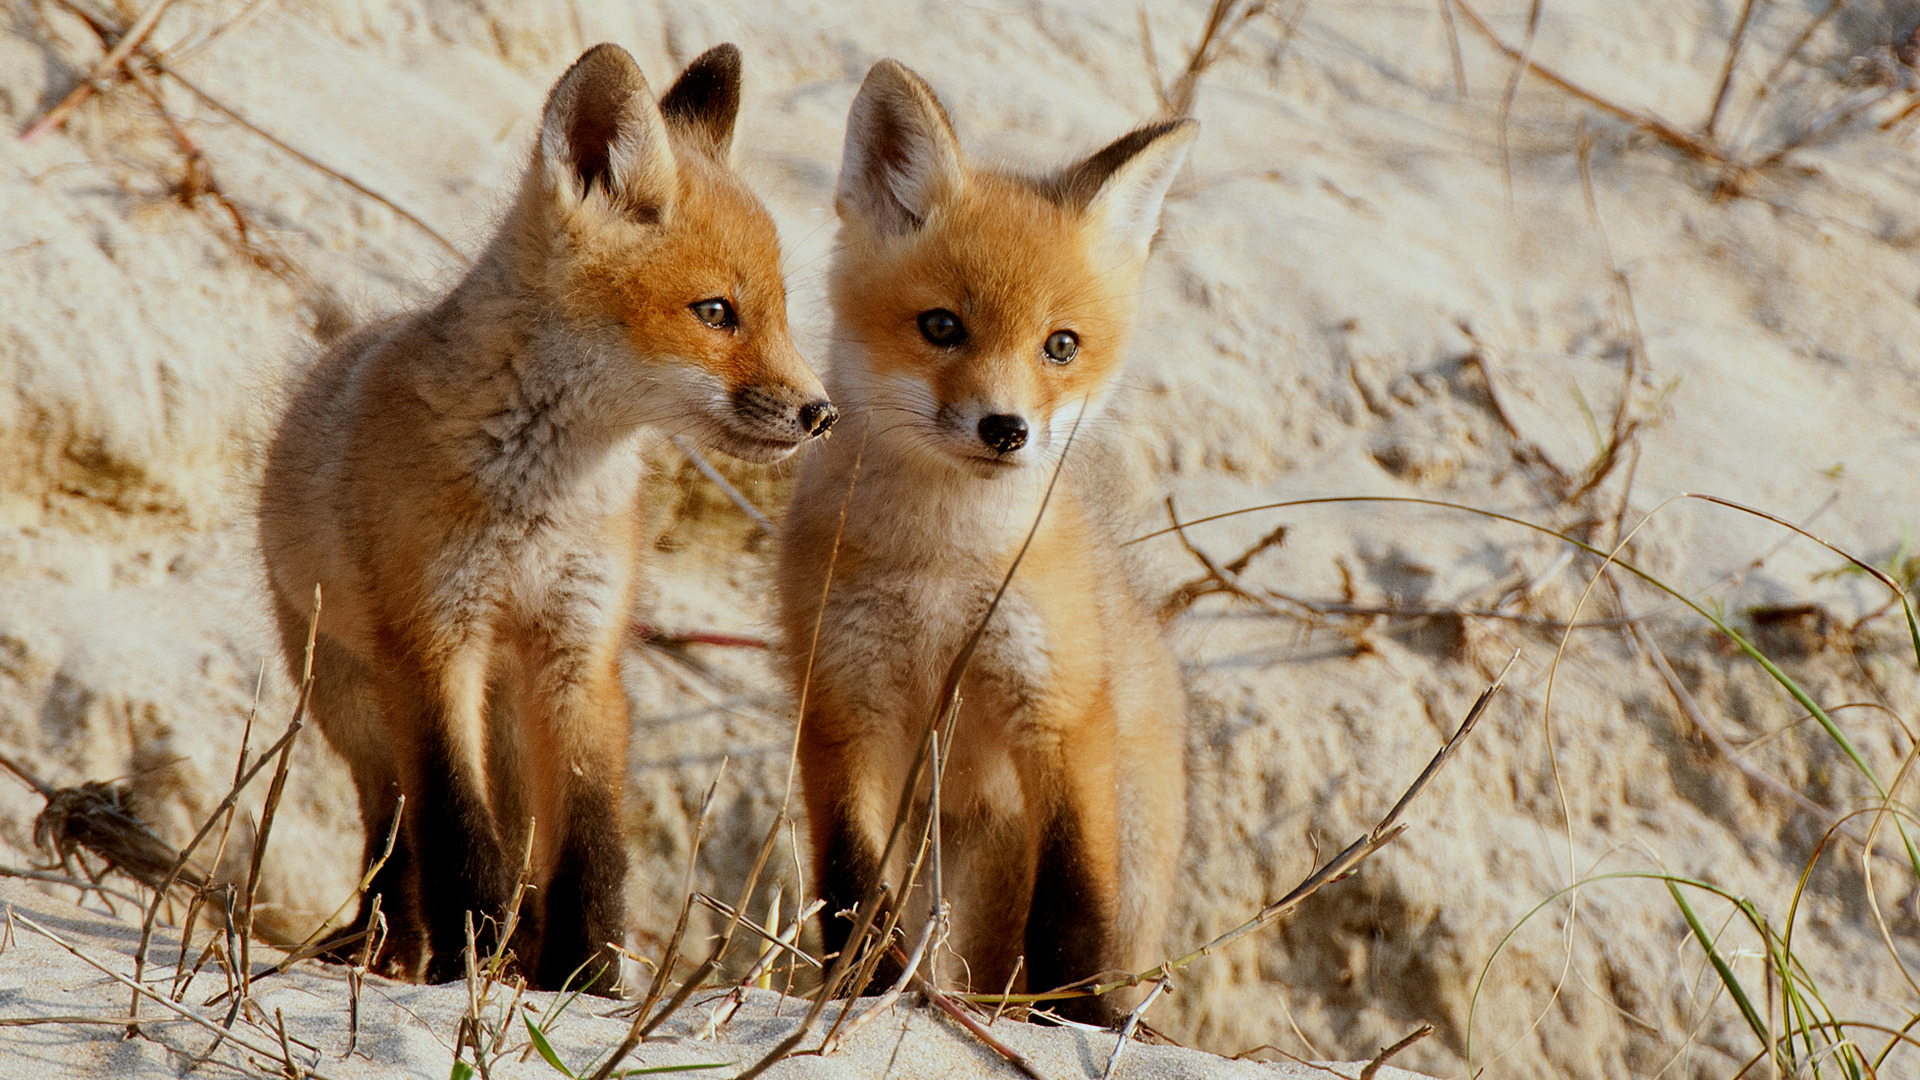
(1003, 433)
(771, 422)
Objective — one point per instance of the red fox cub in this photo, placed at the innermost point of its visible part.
(463, 484)
(981, 315)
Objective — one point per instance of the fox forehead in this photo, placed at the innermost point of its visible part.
(716, 241)
(1011, 262)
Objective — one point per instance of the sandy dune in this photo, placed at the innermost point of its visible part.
(1365, 286)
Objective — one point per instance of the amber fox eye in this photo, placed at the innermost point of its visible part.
(942, 328)
(1061, 346)
(716, 313)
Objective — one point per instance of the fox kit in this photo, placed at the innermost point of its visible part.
(462, 482)
(981, 316)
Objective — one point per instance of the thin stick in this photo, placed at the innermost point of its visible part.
(78, 883)
(278, 787)
(1126, 1032)
(758, 974)
(672, 952)
(644, 1025)
(220, 107)
(1799, 42)
(1726, 72)
(767, 940)
(233, 796)
(685, 446)
(1453, 47)
(1380, 1059)
(181, 54)
(978, 1030)
(301, 951)
(1653, 125)
(1385, 832)
(847, 1028)
(1522, 60)
(133, 38)
(165, 1002)
(947, 701)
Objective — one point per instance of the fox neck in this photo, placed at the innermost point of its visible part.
(519, 397)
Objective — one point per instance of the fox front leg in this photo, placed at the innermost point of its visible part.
(1071, 933)
(851, 798)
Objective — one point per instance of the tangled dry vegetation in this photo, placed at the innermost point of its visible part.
(1750, 981)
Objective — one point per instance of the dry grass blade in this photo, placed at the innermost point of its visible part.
(1726, 72)
(223, 109)
(1653, 125)
(165, 1002)
(283, 762)
(1380, 1059)
(1383, 833)
(845, 1028)
(945, 704)
(671, 954)
(132, 38)
(313, 945)
(1223, 22)
(74, 882)
(758, 974)
(232, 798)
(1522, 60)
(1799, 42)
(733, 494)
(770, 940)
(966, 1020)
(643, 1025)
(1132, 1025)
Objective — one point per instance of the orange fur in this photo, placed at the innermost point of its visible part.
(1064, 797)
(463, 484)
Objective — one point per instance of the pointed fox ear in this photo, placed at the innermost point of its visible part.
(1123, 185)
(901, 153)
(602, 133)
(705, 99)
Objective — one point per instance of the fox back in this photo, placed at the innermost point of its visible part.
(982, 318)
(462, 485)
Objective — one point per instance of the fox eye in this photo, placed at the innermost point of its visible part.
(1061, 346)
(716, 313)
(942, 327)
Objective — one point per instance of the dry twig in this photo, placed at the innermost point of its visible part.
(1380, 1059)
(140, 990)
(134, 37)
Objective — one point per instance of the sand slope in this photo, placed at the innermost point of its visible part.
(1361, 289)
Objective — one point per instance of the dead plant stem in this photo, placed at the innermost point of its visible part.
(140, 990)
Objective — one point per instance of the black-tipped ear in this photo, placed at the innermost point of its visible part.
(1125, 183)
(602, 132)
(901, 153)
(705, 99)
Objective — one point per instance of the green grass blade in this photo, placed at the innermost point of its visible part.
(461, 1071)
(1721, 967)
(541, 1044)
(651, 1069)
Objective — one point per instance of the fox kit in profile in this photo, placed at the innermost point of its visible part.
(463, 484)
(982, 315)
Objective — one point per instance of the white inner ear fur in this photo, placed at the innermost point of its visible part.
(900, 152)
(640, 162)
(1127, 206)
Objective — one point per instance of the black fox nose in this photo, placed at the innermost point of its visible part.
(817, 416)
(1004, 432)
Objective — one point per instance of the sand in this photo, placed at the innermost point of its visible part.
(1361, 288)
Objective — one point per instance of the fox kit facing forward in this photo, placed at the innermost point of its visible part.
(463, 483)
(981, 316)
